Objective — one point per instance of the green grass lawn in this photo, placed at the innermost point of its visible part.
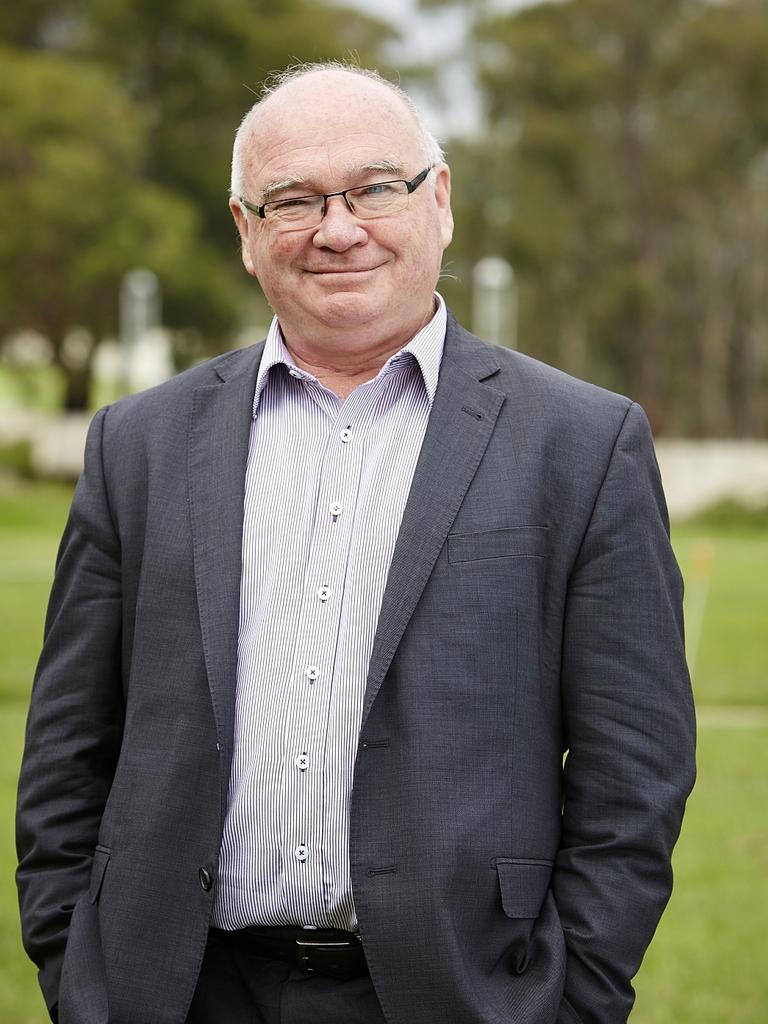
(726, 607)
(31, 520)
(20, 999)
(706, 964)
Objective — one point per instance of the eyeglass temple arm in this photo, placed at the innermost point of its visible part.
(415, 182)
(258, 210)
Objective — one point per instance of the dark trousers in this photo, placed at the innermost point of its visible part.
(238, 987)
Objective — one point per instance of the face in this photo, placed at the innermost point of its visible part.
(347, 283)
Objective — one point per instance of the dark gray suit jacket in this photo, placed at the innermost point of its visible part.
(533, 607)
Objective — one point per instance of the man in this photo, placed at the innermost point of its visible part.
(328, 614)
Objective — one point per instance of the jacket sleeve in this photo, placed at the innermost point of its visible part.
(630, 732)
(74, 726)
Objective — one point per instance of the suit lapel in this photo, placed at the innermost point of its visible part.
(461, 422)
(218, 454)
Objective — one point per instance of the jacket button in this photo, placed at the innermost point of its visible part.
(206, 882)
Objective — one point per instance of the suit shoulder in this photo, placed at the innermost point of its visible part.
(544, 389)
(557, 385)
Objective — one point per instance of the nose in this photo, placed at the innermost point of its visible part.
(339, 229)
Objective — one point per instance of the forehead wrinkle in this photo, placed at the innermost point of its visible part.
(312, 131)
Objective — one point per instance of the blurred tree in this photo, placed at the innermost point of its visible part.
(117, 142)
(624, 175)
(77, 211)
(717, 159)
(196, 66)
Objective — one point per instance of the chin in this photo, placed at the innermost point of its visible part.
(349, 309)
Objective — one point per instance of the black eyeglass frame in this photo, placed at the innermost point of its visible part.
(411, 185)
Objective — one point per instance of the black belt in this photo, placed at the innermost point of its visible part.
(327, 951)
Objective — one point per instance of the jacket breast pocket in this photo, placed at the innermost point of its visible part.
(516, 542)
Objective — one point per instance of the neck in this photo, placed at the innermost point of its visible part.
(342, 369)
(341, 374)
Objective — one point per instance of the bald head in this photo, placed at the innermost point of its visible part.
(307, 84)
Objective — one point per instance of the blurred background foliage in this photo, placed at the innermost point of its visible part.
(620, 164)
(624, 173)
(115, 144)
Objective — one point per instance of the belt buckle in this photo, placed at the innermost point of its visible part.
(305, 948)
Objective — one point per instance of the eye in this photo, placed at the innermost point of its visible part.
(381, 188)
(300, 203)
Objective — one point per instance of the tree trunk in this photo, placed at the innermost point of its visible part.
(77, 389)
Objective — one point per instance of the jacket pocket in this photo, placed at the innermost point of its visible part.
(520, 541)
(523, 885)
(83, 986)
(101, 857)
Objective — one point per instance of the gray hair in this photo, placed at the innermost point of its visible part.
(431, 149)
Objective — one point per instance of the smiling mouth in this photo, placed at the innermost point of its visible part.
(343, 271)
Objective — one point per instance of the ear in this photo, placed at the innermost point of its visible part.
(443, 201)
(244, 229)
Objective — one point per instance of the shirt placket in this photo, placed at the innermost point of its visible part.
(312, 676)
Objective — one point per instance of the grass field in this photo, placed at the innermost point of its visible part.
(706, 965)
(726, 606)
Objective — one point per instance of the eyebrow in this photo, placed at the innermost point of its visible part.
(274, 188)
(385, 166)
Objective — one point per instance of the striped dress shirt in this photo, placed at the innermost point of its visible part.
(326, 486)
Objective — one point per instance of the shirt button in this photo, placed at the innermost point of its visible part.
(301, 853)
(312, 673)
(336, 509)
(206, 882)
(345, 435)
(301, 761)
(294, 373)
(324, 593)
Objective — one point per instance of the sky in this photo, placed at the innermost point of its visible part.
(437, 34)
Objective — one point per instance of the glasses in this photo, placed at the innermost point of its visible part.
(365, 201)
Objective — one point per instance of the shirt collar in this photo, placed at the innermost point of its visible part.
(426, 348)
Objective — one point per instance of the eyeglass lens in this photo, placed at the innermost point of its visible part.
(365, 201)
